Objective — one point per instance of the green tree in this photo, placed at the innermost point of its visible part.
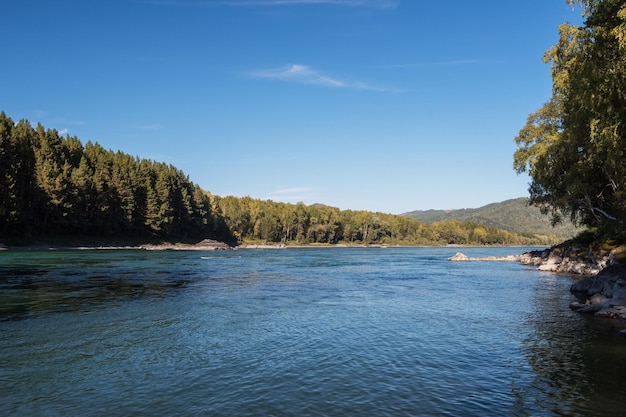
(479, 235)
(53, 172)
(18, 194)
(574, 146)
(81, 179)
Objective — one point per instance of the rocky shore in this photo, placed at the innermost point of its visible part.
(603, 295)
(206, 244)
(602, 288)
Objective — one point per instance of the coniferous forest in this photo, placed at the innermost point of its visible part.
(53, 187)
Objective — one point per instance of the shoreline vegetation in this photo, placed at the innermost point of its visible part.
(210, 244)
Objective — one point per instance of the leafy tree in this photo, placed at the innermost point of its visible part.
(479, 234)
(574, 146)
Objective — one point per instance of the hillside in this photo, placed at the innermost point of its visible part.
(513, 215)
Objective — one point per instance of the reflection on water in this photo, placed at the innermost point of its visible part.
(328, 332)
(578, 366)
(78, 286)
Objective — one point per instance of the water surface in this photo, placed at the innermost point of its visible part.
(315, 332)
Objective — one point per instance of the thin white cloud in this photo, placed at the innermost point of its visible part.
(293, 190)
(377, 4)
(63, 132)
(293, 194)
(154, 126)
(304, 74)
(440, 63)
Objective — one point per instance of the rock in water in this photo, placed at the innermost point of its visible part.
(459, 257)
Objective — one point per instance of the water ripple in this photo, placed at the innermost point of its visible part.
(314, 332)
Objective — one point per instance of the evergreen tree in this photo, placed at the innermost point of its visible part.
(17, 175)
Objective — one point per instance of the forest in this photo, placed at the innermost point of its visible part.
(53, 187)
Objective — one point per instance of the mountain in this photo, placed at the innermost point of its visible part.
(513, 215)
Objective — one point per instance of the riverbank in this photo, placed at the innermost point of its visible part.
(204, 245)
(601, 290)
(571, 260)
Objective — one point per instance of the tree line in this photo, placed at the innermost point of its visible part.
(53, 186)
(276, 222)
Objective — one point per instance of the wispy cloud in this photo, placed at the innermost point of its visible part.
(377, 4)
(291, 191)
(293, 194)
(304, 74)
(439, 63)
(51, 121)
(154, 126)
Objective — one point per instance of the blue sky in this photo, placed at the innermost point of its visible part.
(380, 105)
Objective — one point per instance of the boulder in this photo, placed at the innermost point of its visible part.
(204, 245)
(459, 257)
(606, 282)
(605, 293)
(211, 244)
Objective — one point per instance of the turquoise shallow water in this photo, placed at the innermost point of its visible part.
(297, 332)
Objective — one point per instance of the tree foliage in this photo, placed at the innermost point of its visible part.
(266, 221)
(574, 146)
(54, 186)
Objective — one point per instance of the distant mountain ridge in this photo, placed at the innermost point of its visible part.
(514, 215)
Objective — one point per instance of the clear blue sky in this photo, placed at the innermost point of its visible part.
(380, 105)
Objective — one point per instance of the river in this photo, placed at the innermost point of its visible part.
(297, 332)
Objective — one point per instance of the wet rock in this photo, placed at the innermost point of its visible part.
(459, 257)
(613, 312)
(535, 257)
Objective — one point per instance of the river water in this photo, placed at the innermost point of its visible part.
(297, 332)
